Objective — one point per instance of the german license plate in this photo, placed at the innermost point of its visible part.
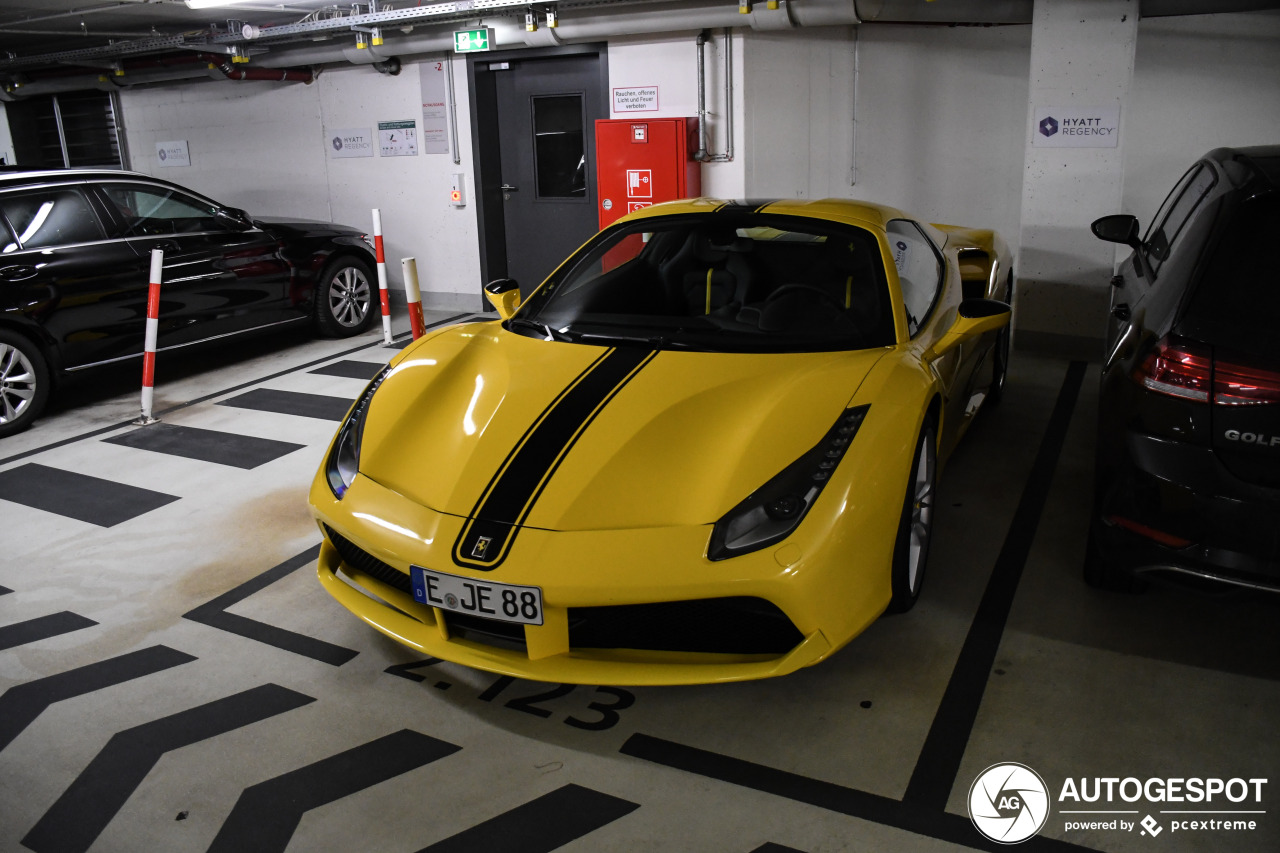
(501, 601)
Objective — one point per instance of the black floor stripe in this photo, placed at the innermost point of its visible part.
(79, 496)
(365, 370)
(828, 795)
(267, 814)
(320, 406)
(93, 433)
(4, 590)
(75, 821)
(939, 761)
(770, 847)
(461, 318)
(541, 825)
(21, 704)
(42, 628)
(214, 614)
(206, 445)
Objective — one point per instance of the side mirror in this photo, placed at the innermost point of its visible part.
(1118, 228)
(235, 217)
(504, 295)
(974, 317)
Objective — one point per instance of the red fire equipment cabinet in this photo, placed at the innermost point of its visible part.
(640, 162)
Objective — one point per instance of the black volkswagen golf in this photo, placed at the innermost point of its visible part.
(75, 252)
(1188, 458)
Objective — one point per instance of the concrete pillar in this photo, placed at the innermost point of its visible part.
(1081, 68)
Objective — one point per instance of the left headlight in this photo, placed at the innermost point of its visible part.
(344, 459)
(771, 512)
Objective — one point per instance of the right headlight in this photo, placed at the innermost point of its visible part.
(344, 459)
(771, 512)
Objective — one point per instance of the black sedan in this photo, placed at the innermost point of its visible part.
(75, 251)
(1188, 454)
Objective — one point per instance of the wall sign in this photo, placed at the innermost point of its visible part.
(398, 138)
(1076, 127)
(635, 99)
(349, 142)
(435, 114)
(174, 153)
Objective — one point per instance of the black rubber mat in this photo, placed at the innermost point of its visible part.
(320, 406)
(224, 448)
(66, 493)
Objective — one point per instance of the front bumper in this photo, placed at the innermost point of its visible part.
(826, 593)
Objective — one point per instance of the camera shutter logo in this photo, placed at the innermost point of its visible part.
(1008, 803)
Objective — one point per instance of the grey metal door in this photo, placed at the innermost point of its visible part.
(546, 112)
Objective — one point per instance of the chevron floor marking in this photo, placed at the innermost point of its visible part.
(540, 825)
(42, 628)
(267, 814)
(78, 817)
(22, 704)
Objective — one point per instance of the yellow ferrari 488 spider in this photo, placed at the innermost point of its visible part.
(704, 449)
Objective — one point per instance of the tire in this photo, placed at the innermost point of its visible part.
(345, 298)
(915, 528)
(1102, 572)
(24, 382)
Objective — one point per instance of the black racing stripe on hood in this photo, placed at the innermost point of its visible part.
(751, 205)
(487, 536)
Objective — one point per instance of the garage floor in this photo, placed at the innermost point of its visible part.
(175, 679)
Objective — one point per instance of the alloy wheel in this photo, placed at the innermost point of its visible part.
(349, 297)
(17, 383)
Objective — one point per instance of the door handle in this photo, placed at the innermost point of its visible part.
(17, 273)
(165, 246)
(507, 188)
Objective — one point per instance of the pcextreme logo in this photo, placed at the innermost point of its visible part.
(1010, 802)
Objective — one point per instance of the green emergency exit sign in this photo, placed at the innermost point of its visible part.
(471, 41)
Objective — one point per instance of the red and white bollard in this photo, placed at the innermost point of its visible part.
(153, 328)
(409, 267)
(381, 258)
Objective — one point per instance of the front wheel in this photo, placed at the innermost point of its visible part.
(24, 382)
(345, 297)
(915, 529)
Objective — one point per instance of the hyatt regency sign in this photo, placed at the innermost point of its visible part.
(1076, 127)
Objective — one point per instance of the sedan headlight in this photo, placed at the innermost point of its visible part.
(344, 458)
(771, 512)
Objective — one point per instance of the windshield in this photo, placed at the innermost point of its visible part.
(719, 283)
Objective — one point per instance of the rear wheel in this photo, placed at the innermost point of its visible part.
(915, 529)
(345, 298)
(24, 382)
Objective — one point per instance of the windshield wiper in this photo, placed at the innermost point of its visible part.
(652, 341)
(543, 328)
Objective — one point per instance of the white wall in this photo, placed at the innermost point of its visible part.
(263, 147)
(6, 142)
(1199, 82)
(671, 63)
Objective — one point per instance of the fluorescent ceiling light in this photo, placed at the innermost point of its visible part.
(212, 4)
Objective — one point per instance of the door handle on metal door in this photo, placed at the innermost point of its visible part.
(17, 273)
(507, 188)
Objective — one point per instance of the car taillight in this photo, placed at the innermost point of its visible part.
(1244, 385)
(1190, 370)
(1178, 368)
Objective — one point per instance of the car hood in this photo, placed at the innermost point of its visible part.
(303, 227)
(578, 437)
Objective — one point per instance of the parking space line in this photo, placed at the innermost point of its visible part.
(214, 614)
(21, 704)
(206, 445)
(267, 814)
(94, 500)
(540, 825)
(910, 817)
(83, 811)
(944, 747)
(42, 628)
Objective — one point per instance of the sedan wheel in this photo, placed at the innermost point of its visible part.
(24, 383)
(344, 301)
(915, 529)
